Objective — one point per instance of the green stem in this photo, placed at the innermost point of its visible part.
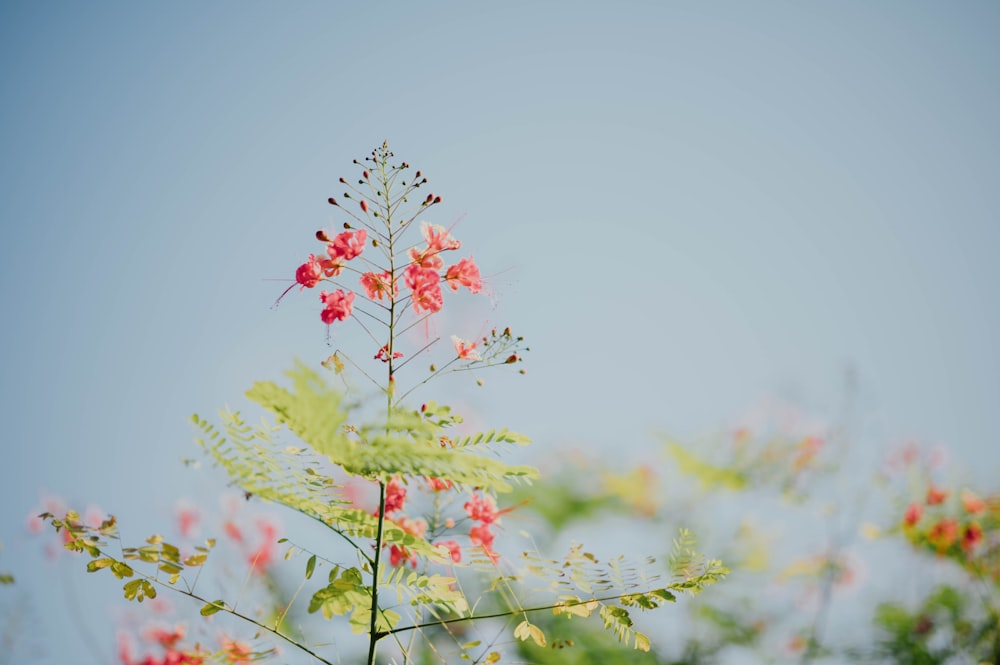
(373, 635)
(508, 613)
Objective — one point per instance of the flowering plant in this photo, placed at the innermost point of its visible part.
(395, 568)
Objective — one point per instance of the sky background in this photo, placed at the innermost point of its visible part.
(684, 208)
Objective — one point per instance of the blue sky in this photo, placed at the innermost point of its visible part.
(682, 206)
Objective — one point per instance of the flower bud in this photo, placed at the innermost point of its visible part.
(365, 174)
(364, 205)
(321, 236)
(343, 180)
(512, 358)
(437, 199)
(332, 201)
(430, 197)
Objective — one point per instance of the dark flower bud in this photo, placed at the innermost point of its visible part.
(343, 180)
(332, 201)
(437, 199)
(364, 205)
(321, 236)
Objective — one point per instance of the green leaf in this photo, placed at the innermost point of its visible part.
(526, 630)
(98, 564)
(121, 569)
(310, 566)
(212, 608)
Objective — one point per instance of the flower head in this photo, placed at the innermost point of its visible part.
(466, 350)
(377, 285)
(913, 514)
(972, 503)
(482, 509)
(936, 496)
(425, 284)
(465, 273)
(347, 245)
(337, 306)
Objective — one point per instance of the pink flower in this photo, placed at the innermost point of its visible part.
(309, 273)
(425, 284)
(466, 273)
(395, 496)
(972, 536)
(187, 519)
(972, 503)
(426, 259)
(437, 238)
(314, 269)
(482, 536)
(454, 549)
(438, 484)
(233, 531)
(943, 534)
(383, 354)
(167, 639)
(397, 553)
(378, 285)
(263, 556)
(236, 652)
(338, 306)
(936, 496)
(347, 245)
(465, 350)
(482, 509)
(913, 514)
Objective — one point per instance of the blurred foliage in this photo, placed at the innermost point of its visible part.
(949, 626)
(803, 526)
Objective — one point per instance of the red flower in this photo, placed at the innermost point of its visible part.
(347, 245)
(466, 273)
(936, 496)
(395, 496)
(377, 285)
(913, 514)
(453, 548)
(972, 503)
(482, 509)
(338, 306)
(425, 283)
(482, 536)
(972, 536)
(943, 534)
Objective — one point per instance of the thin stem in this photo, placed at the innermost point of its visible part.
(373, 635)
(508, 613)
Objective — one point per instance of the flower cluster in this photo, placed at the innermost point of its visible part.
(480, 509)
(483, 509)
(159, 645)
(423, 274)
(964, 527)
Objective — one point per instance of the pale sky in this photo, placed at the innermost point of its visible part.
(683, 207)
